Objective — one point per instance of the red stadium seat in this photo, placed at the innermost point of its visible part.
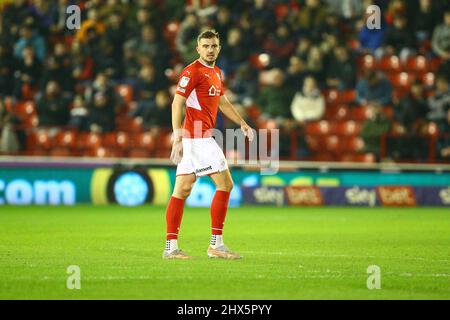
(31, 122)
(354, 144)
(314, 143)
(420, 64)
(119, 140)
(89, 140)
(145, 141)
(349, 128)
(39, 140)
(340, 112)
(401, 80)
(367, 62)
(333, 144)
(322, 127)
(66, 139)
(24, 109)
(390, 64)
(360, 113)
(128, 124)
(340, 97)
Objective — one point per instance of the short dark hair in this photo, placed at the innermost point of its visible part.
(208, 34)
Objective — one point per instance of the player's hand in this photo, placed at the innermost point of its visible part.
(177, 152)
(247, 130)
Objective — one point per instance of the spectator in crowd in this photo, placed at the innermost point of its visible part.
(44, 13)
(27, 74)
(308, 104)
(244, 86)
(341, 70)
(147, 84)
(28, 37)
(409, 114)
(78, 114)
(130, 63)
(274, 99)
(186, 39)
(155, 114)
(295, 73)
(223, 22)
(398, 40)
(116, 34)
(8, 64)
(374, 88)
(14, 15)
(52, 107)
(424, 18)
(103, 85)
(374, 128)
(234, 53)
(348, 9)
(443, 146)
(315, 65)
(439, 103)
(310, 18)
(280, 46)
(370, 39)
(303, 48)
(101, 115)
(139, 18)
(91, 25)
(82, 64)
(441, 37)
(54, 70)
(9, 142)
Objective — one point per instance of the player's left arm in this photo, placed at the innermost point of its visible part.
(231, 113)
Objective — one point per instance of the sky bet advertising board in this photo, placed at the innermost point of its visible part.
(142, 186)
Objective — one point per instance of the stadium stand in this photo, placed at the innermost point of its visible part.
(128, 51)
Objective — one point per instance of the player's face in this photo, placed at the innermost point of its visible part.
(208, 49)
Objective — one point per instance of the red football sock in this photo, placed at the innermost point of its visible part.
(219, 208)
(174, 213)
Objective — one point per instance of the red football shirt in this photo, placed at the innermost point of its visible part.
(202, 86)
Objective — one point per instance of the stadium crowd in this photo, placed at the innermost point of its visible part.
(307, 67)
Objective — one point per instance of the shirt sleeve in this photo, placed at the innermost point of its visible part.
(186, 83)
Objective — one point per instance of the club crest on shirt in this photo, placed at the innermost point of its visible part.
(184, 81)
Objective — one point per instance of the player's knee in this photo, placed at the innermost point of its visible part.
(186, 189)
(183, 191)
(226, 186)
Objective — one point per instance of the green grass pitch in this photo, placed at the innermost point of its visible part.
(289, 253)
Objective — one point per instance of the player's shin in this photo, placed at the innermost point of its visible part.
(219, 207)
(174, 214)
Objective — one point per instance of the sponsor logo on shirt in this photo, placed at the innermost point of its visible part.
(184, 81)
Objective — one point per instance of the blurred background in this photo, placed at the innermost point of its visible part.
(336, 90)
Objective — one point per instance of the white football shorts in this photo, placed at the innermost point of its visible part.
(201, 156)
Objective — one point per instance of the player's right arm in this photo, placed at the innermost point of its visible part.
(177, 116)
(185, 86)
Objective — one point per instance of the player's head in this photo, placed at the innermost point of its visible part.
(208, 46)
